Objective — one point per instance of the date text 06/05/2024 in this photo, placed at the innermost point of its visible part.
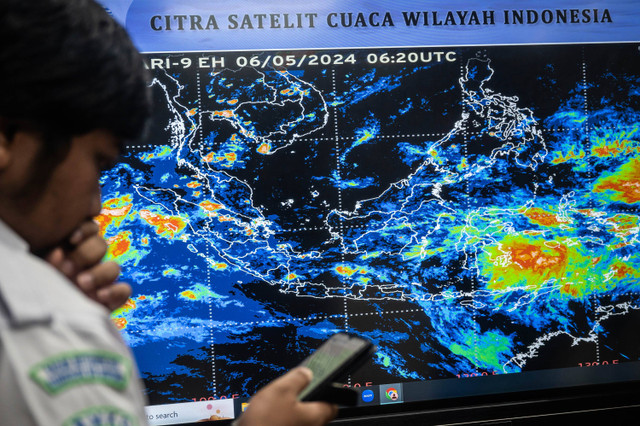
(302, 59)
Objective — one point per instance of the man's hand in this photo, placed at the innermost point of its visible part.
(81, 262)
(277, 404)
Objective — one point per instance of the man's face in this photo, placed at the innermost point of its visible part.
(46, 215)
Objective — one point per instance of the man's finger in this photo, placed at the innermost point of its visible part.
(89, 252)
(114, 296)
(295, 380)
(84, 231)
(101, 275)
(55, 257)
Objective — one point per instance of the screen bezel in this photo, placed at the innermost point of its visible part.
(618, 395)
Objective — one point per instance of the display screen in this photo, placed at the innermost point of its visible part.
(458, 184)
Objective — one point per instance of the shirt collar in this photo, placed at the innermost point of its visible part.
(23, 300)
(9, 238)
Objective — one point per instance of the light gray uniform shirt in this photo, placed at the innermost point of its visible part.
(62, 361)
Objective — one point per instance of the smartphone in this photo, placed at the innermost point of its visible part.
(341, 354)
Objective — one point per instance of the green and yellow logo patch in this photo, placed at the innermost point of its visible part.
(68, 369)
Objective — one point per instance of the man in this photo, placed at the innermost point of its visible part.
(72, 88)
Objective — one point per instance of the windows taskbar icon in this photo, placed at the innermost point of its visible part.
(391, 393)
(367, 395)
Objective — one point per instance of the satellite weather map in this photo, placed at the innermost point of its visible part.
(472, 211)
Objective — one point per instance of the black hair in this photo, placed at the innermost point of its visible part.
(67, 68)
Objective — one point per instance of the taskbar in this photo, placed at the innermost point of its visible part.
(420, 391)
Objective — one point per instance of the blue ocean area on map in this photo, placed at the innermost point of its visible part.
(472, 215)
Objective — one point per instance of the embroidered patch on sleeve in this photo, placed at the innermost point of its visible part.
(68, 369)
(103, 415)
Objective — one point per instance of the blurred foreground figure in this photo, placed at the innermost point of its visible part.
(72, 89)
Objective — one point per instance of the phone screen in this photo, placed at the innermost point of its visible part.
(332, 359)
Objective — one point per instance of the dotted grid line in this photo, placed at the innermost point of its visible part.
(417, 135)
(630, 294)
(619, 209)
(352, 227)
(585, 95)
(337, 139)
(209, 283)
(595, 301)
(300, 319)
(465, 138)
(568, 129)
(212, 344)
(336, 134)
(334, 316)
(327, 317)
